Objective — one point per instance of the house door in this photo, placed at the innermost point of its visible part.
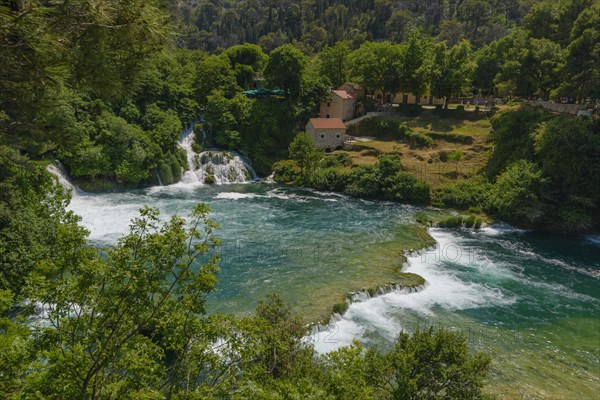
(405, 98)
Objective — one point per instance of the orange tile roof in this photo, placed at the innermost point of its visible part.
(343, 94)
(327, 123)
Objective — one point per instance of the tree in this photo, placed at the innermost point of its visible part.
(452, 70)
(416, 65)
(333, 63)
(398, 26)
(425, 365)
(429, 364)
(112, 320)
(580, 75)
(215, 73)
(376, 66)
(285, 68)
(515, 196)
(569, 151)
(304, 151)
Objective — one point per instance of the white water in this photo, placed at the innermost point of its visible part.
(222, 166)
(443, 291)
(60, 173)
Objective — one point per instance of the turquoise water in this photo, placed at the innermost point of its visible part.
(531, 300)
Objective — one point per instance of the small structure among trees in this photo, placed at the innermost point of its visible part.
(339, 104)
(328, 133)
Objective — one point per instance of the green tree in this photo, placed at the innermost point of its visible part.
(285, 68)
(114, 319)
(580, 75)
(452, 70)
(304, 151)
(416, 65)
(215, 73)
(569, 151)
(333, 63)
(515, 196)
(428, 364)
(376, 66)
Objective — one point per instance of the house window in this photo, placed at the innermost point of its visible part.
(322, 136)
(337, 136)
(328, 104)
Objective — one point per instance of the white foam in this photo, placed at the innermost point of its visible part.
(445, 290)
(234, 195)
(501, 228)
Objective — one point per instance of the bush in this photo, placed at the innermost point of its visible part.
(165, 174)
(329, 179)
(418, 139)
(175, 167)
(286, 171)
(363, 182)
(515, 195)
(451, 137)
(229, 139)
(406, 188)
(336, 160)
(463, 195)
(209, 180)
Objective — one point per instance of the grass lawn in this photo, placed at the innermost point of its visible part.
(429, 163)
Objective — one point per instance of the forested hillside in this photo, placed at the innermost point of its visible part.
(212, 24)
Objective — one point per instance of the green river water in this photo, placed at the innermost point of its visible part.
(532, 301)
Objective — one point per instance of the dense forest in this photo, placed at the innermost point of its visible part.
(106, 86)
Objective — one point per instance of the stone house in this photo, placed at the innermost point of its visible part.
(340, 104)
(328, 133)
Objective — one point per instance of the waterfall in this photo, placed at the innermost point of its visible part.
(213, 166)
(60, 173)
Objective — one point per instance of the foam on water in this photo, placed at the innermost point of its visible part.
(235, 195)
(444, 291)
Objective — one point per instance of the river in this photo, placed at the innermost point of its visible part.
(531, 300)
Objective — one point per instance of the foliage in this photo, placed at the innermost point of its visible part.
(452, 69)
(463, 194)
(285, 68)
(304, 151)
(515, 196)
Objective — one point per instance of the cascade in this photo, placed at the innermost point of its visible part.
(60, 173)
(213, 166)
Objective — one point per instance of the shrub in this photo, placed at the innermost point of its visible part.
(329, 179)
(175, 167)
(209, 180)
(336, 160)
(515, 195)
(363, 182)
(451, 137)
(418, 139)
(286, 171)
(164, 172)
(463, 194)
(229, 139)
(405, 187)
